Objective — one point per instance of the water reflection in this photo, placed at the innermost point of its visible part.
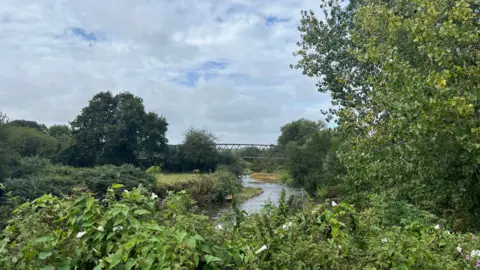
(271, 191)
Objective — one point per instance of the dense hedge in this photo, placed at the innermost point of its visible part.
(37, 176)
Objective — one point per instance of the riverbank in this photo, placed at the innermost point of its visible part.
(207, 188)
(267, 177)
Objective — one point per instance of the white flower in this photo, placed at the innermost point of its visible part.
(126, 191)
(437, 226)
(475, 253)
(448, 232)
(154, 196)
(263, 248)
(287, 225)
(80, 234)
(384, 240)
(119, 228)
(339, 246)
(219, 227)
(334, 203)
(100, 228)
(459, 249)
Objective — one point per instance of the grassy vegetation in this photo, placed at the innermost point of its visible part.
(172, 180)
(247, 193)
(267, 177)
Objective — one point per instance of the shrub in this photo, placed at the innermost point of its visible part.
(154, 170)
(135, 231)
(226, 184)
(39, 177)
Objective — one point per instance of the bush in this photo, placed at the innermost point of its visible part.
(226, 184)
(39, 177)
(135, 231)
(154, 170)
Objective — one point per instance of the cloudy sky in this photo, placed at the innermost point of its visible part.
(216, 64)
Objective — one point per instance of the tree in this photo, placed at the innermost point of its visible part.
(298, 131)
(326, 52)
(7, 155)
(415, 133)
(29, 142)
(198, 150)
(117, 130)
(28, 124)
(305, 162)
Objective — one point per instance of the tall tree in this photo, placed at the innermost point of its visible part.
(299, 131)
(414, 131)
(117, 130)
(199, 151)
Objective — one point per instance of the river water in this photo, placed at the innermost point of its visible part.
(271, 191)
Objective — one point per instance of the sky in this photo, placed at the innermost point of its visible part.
(223, 65)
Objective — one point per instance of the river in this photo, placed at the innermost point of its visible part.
(271, 191)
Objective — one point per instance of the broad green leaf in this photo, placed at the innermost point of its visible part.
(44, 255)
(117, 186)
(141, 212)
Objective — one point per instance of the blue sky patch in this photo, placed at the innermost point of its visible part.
(83, 34)
(271, 20)
(208, 71)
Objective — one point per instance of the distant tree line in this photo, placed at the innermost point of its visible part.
(110, 130)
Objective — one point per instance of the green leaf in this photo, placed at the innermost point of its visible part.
(117, 186)
(44, 255)
(115, 258)
(196, 259)
(130, 263)
(43, 239)
(211, 259)
(141, 212)
(48, 267)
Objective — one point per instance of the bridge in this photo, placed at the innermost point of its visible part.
(249, 151)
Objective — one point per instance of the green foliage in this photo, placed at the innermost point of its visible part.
(135, 231)
(8, 157)
(411, 123)
(198, 151)
(305, 162)
(37, 177)
(154, 170)
(28, 124)
(299, 131)
(226, 183)
(28, 142)
(231, 162)
(122, 133)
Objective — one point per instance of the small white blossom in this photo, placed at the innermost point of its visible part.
(384, 240)
(219, 227)
(263, 248)
(437, 226)
(287, 225)
(459, 249)
(475, 253)
(334, 203)
(126, 191)
(448, 232)
(154, 196)
(339, 246)
(80, 234)
(100, 228)
(119, 228)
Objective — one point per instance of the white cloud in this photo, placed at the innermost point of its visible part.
(204, 63)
